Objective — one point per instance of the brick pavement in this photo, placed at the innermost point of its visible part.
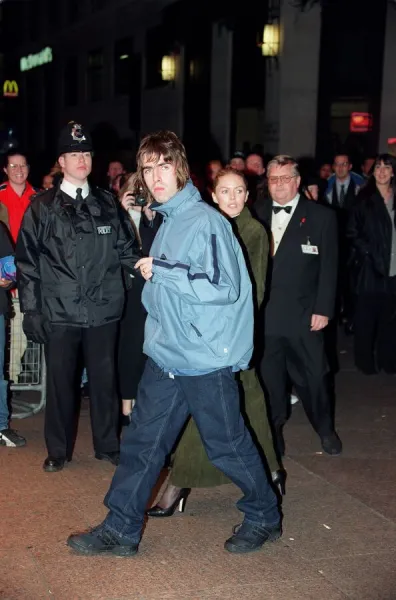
(339, 537)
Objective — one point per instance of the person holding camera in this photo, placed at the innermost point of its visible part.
(73, 243)
(131, 359)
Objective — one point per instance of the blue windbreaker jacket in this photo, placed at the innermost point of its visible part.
(199, 300)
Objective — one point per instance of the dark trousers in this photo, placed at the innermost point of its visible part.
(162, 407)
(62, 353)
(375, 332)
(301, 359)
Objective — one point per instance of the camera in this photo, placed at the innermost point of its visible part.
(140, 199)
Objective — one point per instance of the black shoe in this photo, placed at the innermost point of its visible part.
(279, 480)
(112, 457)
(9, 437)
(53, 465)
(331, 444)
(248, 537)
(369, 371)
(180, 502)
(100, 540)
(389, 371)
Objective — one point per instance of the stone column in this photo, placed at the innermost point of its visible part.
(292, 84)
(221, 87)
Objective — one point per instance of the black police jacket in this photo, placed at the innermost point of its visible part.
(69, 258)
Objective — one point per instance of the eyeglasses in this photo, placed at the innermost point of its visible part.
(281, 179)
(341, 164)
(14, 167)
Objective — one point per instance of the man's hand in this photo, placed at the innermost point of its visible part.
(5, 283)
(150, 214)
(36, 327)
(318, 322)
(145, 265)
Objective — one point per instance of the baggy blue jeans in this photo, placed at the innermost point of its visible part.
(162, 407)
(4, 412)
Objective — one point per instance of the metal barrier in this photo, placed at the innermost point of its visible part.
(26, 366)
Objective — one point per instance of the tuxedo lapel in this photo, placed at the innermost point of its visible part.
(293, 227)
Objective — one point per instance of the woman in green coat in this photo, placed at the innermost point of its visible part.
(191, 467)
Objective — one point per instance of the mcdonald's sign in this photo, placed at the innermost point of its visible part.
(10, 88)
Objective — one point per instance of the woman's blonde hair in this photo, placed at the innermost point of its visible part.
(130, 186)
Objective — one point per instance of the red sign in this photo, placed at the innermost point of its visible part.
(361, 122)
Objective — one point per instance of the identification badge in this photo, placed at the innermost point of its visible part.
(104, 229)
(309, 249)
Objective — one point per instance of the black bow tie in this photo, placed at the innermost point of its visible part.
(277, 209)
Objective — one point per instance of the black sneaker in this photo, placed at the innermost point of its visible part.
(331, 444)
(10, 438)
(112, 457)
(249, 537)
(100, 540)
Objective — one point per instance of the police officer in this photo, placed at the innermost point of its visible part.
(73, 243)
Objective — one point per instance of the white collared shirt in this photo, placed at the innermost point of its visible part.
(71, 190)
(280, 222)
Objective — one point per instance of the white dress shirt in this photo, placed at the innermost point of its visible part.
(71, 190)
(280, 221)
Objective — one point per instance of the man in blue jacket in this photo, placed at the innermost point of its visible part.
(199, 332)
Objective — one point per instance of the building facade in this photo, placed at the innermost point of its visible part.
(126, 67)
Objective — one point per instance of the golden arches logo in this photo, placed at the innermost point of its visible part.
(10, 88)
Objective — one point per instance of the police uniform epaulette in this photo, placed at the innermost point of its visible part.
(106, 192)
(37, 193)
(3, 187)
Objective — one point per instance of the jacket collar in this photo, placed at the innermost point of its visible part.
(243, 217)
(92, 201)
(180, 201)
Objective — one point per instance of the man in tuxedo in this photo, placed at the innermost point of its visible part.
(302, 287)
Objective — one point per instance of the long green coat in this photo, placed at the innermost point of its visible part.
(191, 466)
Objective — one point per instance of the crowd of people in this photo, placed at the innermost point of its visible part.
(196, 309)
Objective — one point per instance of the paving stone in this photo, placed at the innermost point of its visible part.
(339, 539)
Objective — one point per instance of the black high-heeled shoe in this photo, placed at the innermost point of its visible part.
(279, 480)
(180, 503)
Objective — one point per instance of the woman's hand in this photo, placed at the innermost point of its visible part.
(128, 202)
